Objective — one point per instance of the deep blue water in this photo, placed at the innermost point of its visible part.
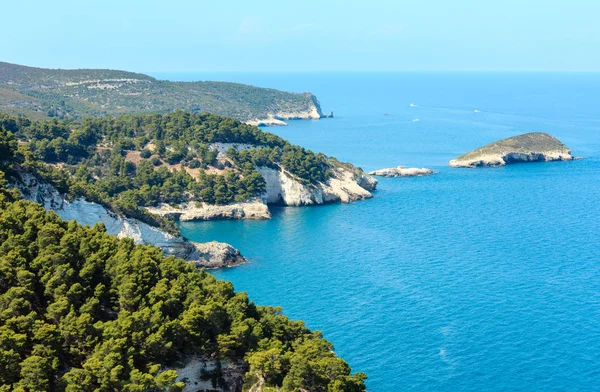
(469, 280)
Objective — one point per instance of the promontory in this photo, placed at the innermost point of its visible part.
(528, 147)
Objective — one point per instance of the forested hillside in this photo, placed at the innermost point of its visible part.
(46, 93)
(136, 161)
(81, 310)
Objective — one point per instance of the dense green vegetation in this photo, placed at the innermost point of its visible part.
(81, 310)
(42, 93)
(135, 161)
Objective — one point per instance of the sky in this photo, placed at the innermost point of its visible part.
(255, 35)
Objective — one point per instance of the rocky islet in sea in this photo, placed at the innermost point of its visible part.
(528, 147)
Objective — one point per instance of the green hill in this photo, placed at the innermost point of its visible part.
(135, 161)
(43, 93)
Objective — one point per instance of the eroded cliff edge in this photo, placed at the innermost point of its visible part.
(311, 110)
(205, 255)
(345, 185)
(528, 147)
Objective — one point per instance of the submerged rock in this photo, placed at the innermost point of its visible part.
(402, 171)
(529, 147)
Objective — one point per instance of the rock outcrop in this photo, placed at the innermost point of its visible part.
(190, 211)
(211, 255)
(344, 186)
(529, 147)
(217, 255)
(402, 171)
(211, 374)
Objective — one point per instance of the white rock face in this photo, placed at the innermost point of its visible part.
(189, 211)
(402, 171)
(312, 112)
(204, 255)
(282, 188)
(267, 122)
(197, 372)
(217, 255)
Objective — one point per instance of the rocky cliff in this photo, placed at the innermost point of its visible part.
(529, 147)
(209, 255)
(311, 111)
(346, 185)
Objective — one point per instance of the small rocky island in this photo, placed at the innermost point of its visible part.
(529, 147)
(402, 171)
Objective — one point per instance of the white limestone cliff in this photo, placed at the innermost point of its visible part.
(211, 255)
(344, 186)
(312, 111)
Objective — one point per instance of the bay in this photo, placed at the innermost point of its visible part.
(469, 280)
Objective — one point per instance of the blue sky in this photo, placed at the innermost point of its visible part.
(307, 35)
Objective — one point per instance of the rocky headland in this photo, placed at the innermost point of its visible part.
(528, 147)
(402, 171)
(311, 111)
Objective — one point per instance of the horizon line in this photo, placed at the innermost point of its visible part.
(408, 70)
(379, 71)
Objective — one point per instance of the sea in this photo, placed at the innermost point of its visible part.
(481, 279)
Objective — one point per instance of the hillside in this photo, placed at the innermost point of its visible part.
(46, 93)
(136, 165)
(81, 310)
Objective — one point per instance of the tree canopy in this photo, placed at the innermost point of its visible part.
(81, 310)
(144, 160)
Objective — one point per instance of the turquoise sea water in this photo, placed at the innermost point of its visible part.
(469, 280)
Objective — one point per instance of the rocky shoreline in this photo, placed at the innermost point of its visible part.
(203, 212)
(313, 112)
(282, 189)
(402, 171)
(346, 185)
